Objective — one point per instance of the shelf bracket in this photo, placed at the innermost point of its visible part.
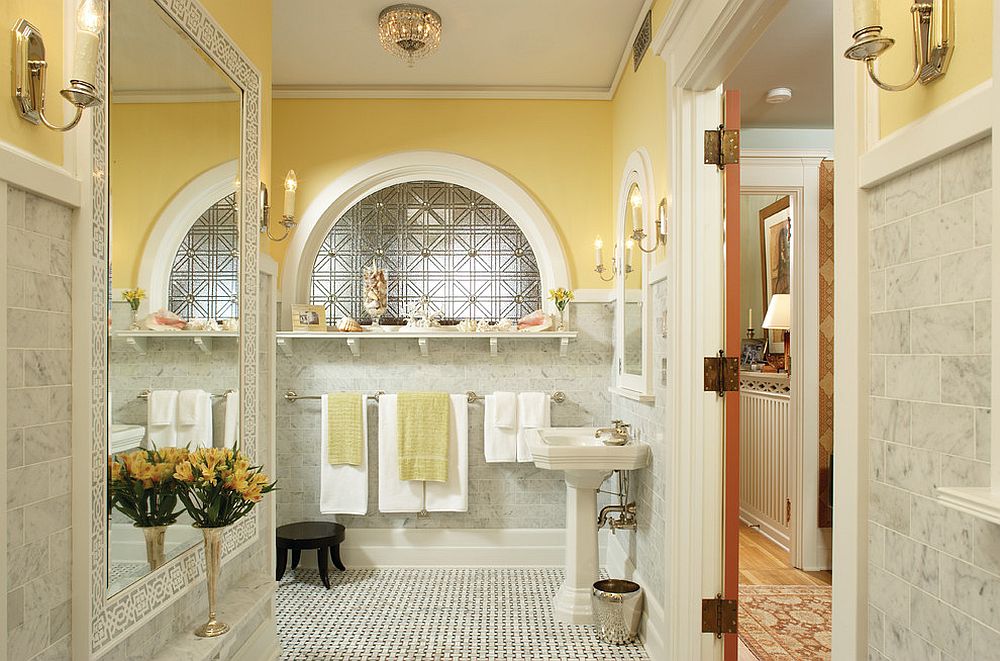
(422, 341)
(203, 343)
(494, 346)
(563, 346)
(137, 344)
(354, 345)
(285, 347)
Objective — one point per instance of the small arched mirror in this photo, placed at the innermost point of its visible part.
(632, 304)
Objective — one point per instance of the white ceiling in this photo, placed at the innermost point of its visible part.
(568, 46)
(795, 51)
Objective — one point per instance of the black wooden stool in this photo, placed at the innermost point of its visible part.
(318, 535)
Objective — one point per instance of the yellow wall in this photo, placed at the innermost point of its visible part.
(970, 66)
(47, 16)
(149, 167)
(560, 151)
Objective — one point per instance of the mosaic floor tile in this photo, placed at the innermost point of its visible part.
(432, 614)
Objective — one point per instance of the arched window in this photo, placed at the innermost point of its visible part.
(205, 275)
(438, 242)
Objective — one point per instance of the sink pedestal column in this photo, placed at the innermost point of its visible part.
(572, 602)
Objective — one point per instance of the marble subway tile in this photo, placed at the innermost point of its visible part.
(984, 327)
(876, 291)
(902, 644)
(46, 517)
(15, 448)
(965, 276)
(876, 628)
(890, 332)
(60, 622)
(25, 329)
(44, 292)
(27, 250)
(876, 206)
(47, 368)
(876, 544)
(966, 171)
(890, 245)
(943, 428)
(15, 207)
(47, 217)
(911, 469)
(962, 472)
(888, 593)
(984, 218)
(47, 442)
(986, 547)
(985, 643)
(890, 507)
(15, 528)
(913, 192)
(913, 377)
(876, 460)
(27, 484)
(15, 608)
(945, 229)
(15, 288)
(875, 655)
(983, 437)
(915, 563)
(29, 639)
(943, 626)
(26, 562)
(943, 329)
(60, 261)
(971, 590)
(941, 527)
(965, 380)
(913, 285)
(876, 377)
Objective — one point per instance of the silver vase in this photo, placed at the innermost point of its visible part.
(213, 567)
(155, 553)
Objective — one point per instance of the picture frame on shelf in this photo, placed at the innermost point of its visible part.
(753, 351)
(308, 317)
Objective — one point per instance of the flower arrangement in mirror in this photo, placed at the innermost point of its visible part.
(561, 297)
(141, 485)
(218, 488)
(134, 297)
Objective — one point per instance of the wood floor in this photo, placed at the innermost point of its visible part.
(762, 562)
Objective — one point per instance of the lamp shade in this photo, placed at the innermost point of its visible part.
(779, 313)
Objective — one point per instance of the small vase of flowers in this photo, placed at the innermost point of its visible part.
(141, 485)
(218, 488)
(561, 297)
(134, 297)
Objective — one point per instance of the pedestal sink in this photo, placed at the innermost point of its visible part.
(586, 462)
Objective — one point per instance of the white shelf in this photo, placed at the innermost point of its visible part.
(423, 338)
(202, 340)
(981, 502)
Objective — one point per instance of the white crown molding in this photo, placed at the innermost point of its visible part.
(175, 96)
(627, 51)
(961, 121)
(39, 177)
(439, 92)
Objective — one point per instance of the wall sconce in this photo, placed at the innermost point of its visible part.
(288, 212)
(599, 266)
(30, 67)
(638, 234)
(933, 40)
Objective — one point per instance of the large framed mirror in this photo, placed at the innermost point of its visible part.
(175, 216)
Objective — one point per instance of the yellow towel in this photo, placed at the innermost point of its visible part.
(422, 429)
(344, 428)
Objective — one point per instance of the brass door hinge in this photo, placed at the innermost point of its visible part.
(788, 511)
(722, 374)
(719, 616)
(722, 147)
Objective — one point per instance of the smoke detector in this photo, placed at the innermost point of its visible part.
(779, 95)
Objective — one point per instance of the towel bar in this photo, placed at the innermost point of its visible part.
(145, 394)
(471, 396)
(292, 396)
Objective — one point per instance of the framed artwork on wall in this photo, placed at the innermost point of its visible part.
(776, 257)
(308, 317)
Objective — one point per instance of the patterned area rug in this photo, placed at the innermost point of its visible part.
(786, 622)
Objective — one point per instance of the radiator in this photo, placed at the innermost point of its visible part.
(765, 454)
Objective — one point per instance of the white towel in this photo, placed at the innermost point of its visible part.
(161, 418)
(533, 412)
(394, 494)
(505, 411)
(343, 489)
(199, 434)
(500, 444)
(189, 407)
(231, 421)
(453, 495)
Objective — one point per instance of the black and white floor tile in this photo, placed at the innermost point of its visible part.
(402, 614)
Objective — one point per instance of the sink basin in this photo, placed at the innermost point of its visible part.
(576, 448)
(586, 462)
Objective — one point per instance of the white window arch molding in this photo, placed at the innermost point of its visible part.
(173, 224)
(356, 184)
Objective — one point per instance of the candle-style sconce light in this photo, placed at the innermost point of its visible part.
(660, 227)
(30, 67)
(611, 272)
(288, 211)
(933, 40)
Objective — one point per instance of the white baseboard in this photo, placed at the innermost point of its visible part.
(408, 547)
(767, 529)
(618, 565)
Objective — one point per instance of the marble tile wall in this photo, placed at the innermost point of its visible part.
(934, 579)
(500, 495)
(39, 443)
(646, 546)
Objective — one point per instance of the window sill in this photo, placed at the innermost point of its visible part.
(980, 502)
(641, 397)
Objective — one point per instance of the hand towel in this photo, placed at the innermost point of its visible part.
(453, 494)
(346, 433)
(188, 407)
(161, 418)
(533, 412)
(199, 434)
(499, 443)
(343, 488)
(505, 412)
(422, 422)
(394, 494)
(231, 421)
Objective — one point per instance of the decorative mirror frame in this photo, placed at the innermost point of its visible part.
(113, 618)
(638, 171)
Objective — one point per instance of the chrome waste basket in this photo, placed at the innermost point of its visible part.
(617, 609)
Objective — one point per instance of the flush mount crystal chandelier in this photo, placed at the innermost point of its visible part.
(409, 32)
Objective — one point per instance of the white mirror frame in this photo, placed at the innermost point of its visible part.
(110, 619)
(638, 171)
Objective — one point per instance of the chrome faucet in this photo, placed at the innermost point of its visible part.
(617, 435)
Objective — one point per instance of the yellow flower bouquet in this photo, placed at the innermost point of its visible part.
(134, 297)
(141, 485)
(219, 486)
(561, 297)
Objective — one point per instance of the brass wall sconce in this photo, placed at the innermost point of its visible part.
(599, 267)
(933, 40)
(288, 212)
(660, 227)
(30, 67)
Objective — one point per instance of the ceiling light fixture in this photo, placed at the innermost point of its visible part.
(779, 95)
(409, 32)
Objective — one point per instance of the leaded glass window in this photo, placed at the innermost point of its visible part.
(441, 243)
(205, 276)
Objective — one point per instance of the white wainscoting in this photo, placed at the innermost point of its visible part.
(766, 460)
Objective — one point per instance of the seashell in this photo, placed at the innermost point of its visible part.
(467, 326)
(348, 325)
(504, 326)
